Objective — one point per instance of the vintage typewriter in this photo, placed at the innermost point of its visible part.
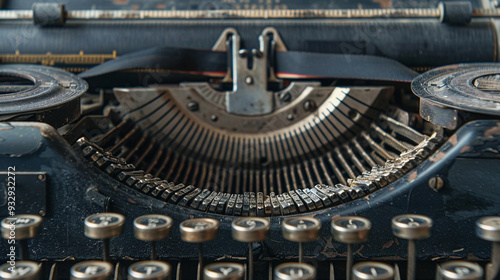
(250, 139)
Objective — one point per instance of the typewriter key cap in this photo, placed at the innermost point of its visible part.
(488, 228)
(26, 270)
(372, 271)
(294, 271)
(152, 228)
(223, 271)
(250, 230)
(350, 230)
(21, 228)
(150, 270)
(199, 231)
(301, 229)
(104, 226)
(459, 270)
(411, 227)
(92, 270)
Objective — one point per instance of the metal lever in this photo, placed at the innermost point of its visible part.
(250, 96)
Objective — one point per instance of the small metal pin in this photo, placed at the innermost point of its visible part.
(301, 229)
(199, 231)
(23, 227)
(250, 230)
(152, 228)
(104, 226)
(350, 230)
(411, 227)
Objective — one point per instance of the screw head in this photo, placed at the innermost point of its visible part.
(309, 105)
(249, 80)
(436, 183)
(193, 106)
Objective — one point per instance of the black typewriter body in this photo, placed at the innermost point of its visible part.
(240, 109)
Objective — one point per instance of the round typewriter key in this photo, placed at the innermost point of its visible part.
(372, 271)
(92, 270)
(104, 225)
(294, 271)
(411, 227)
(460, 270)
(152, 228)
(301, 229)
(21, 226)
(25, 270)
(488, 228)
(199, 230)
(350, 230)
(250, 229)
(223, 271)
(150, 270)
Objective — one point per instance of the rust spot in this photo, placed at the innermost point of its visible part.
(465, 149)
(413, 176)
(336, 217)
(437, 157)
(471, 257)
(387, 244)
(161, 6)
(453, 139)
(397, 241)
(131, 201)
(493, 131)
(120, 2)
(391, 188)
(135, 7)
(384, 3)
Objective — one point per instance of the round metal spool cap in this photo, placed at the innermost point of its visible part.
(351, 229)
(250, 229)
(460, 270)
(223, 271)
(295, 271)
(152, 227)
(54, 96)
(21, 227)
(372, 271)
(26, 270)
(301, 229)
(488, 228)
(199, 230)
(92, 270)
(455, 86)
(411, 226)
(150, 270)
(104, 225)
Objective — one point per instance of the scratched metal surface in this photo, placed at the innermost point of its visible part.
(230, 4)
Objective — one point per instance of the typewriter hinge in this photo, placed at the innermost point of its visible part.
(250, 72)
